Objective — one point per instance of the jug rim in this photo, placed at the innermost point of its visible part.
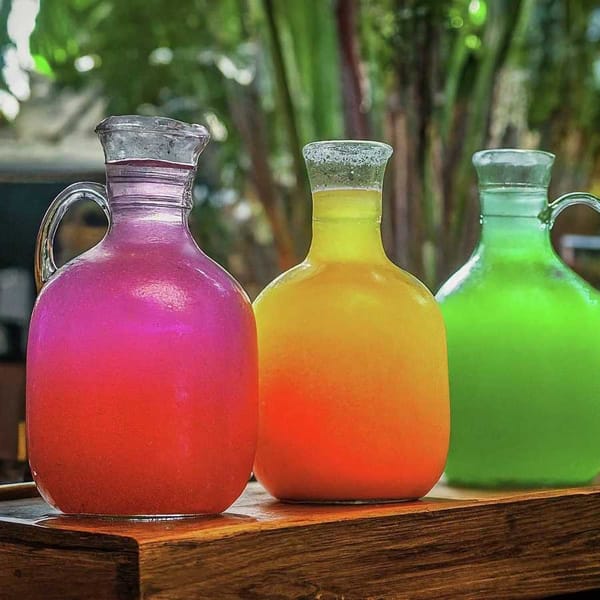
(348, 164)
(152, 124)
(346, 150)
(505, 152)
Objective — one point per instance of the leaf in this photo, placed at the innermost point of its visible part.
(42, 66)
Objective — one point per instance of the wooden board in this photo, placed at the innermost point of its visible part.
(453, 544)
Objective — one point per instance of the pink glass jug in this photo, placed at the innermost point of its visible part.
(142, 374)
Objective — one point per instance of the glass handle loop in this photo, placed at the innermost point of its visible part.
(45, 266)
(549, 214)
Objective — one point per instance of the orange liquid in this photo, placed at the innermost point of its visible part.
(353, 368)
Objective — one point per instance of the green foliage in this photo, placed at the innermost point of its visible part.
(4, 39)
(438, 79)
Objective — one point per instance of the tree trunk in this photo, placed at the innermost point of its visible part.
(352, 78)
(300, 195)
(251, 123)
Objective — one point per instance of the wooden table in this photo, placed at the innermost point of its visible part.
(453, 544)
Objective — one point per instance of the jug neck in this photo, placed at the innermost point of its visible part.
(149, 200)
(514, 238)
(346, 226)
(511, 228)
(513, 201)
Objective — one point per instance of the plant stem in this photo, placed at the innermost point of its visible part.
(299, 206)
(351, 77)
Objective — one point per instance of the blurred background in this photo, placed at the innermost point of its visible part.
(437, 79)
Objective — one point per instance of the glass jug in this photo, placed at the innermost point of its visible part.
(353, 386)
(142, 367)
(523, 340)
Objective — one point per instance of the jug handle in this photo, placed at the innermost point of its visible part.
(549, 214)
(45, 266)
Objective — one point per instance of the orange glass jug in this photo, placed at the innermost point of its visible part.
(353, 384)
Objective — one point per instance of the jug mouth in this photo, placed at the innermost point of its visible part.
(152, 124)
(352, 164)
(513, 155)
(347, 151)
(140, 138)
(512, 167)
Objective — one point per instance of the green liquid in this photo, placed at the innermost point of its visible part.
(524, 353)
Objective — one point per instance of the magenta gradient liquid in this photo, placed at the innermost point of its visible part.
(142, 364)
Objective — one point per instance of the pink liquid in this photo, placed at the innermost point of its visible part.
(142, 371)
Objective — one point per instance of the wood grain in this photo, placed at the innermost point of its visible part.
(453, 544)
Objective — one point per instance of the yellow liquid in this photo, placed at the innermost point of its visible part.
(353, 367)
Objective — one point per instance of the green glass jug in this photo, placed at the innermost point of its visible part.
(523, 340)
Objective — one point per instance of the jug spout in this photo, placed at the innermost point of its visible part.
(133, 137)
(513, 183)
